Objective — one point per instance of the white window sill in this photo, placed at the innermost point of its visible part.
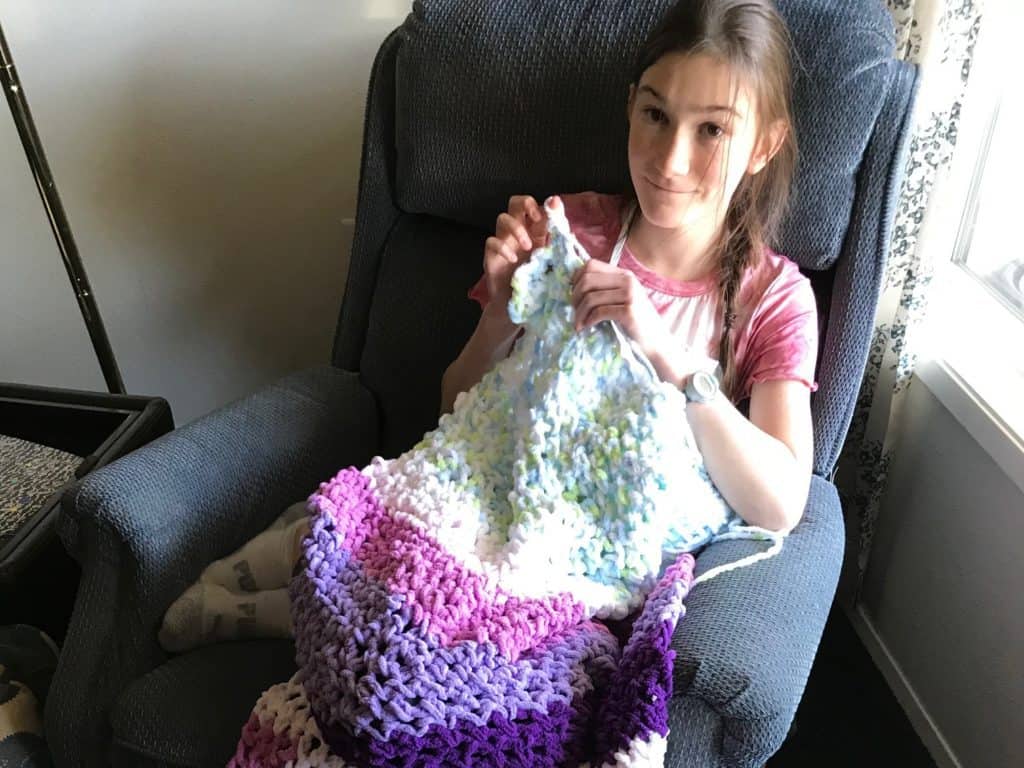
(972, 360)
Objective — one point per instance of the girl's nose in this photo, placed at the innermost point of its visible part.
(676, 156)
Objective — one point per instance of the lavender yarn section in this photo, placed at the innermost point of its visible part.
(384, 691)
(369, 668)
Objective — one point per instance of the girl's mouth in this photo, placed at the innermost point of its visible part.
(667, 189)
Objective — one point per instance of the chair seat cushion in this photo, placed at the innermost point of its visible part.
(190, 710)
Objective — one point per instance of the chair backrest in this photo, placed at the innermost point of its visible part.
(471, 102)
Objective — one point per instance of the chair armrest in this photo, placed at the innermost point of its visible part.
(745, 646)
(145, 526)
(861, 269)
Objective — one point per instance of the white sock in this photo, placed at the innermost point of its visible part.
(19, 710)
(264, 562)
(244, 594)
(208, 613)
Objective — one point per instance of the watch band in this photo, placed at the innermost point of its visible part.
(701, 387)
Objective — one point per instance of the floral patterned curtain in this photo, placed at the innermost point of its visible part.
(939, 35)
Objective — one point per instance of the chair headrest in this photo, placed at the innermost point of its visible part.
(495, 99)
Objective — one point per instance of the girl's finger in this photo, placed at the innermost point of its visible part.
(586, 269)
(524, 208)
(585, 305)
(604, 312)
(492, 246)
(585, 280)
(510, 253)
(596, 265)
(533, 210)
(615, 295)
(508, 226)
(499, 249)
(539, 234)
(519, 205)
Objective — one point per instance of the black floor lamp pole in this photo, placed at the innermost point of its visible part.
(58, 219)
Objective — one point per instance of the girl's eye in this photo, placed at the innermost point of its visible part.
(712, 131)
(654, 115)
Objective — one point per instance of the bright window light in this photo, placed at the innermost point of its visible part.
(992, 248)
(974, 329)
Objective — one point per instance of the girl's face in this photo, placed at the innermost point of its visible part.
(692, 137)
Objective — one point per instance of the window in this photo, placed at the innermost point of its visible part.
(972, 356)
(986, 247)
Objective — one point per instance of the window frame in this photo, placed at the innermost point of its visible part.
(976, 372)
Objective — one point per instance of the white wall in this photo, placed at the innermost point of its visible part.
(207, 155)
(944, 589)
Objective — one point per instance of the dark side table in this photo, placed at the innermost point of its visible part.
(38, 579)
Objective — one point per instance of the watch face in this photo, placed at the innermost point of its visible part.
(705, 384)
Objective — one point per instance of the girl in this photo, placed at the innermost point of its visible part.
(682, 264)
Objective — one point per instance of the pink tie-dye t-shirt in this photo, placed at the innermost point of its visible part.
(776, 317)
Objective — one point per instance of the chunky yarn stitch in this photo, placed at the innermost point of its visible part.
(445, 609)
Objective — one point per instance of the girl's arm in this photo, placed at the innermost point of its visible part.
(489, 343)
(762, 466)
(516, 233)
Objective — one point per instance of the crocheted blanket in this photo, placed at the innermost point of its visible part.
(448, 603)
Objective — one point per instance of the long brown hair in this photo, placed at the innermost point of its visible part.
(751, 37)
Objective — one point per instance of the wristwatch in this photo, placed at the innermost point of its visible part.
(701, 387)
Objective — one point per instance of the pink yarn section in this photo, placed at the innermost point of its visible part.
(680, 572)
(445, 598)
(260, 747)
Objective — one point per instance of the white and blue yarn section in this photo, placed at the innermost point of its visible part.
(619, 422)
(571, 467)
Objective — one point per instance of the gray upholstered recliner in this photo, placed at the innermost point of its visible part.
(471, 101)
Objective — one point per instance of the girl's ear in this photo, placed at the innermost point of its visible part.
(767, 145)
(629, 101)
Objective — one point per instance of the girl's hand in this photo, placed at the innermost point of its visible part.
(603, 292)
(516, 233)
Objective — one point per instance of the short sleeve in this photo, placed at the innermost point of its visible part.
(783, 342)
(479, 292)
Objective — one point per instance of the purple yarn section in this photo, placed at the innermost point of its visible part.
(386, 691)
(643, 681)
(560, 736)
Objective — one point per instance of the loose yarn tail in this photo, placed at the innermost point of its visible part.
(744, 532)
